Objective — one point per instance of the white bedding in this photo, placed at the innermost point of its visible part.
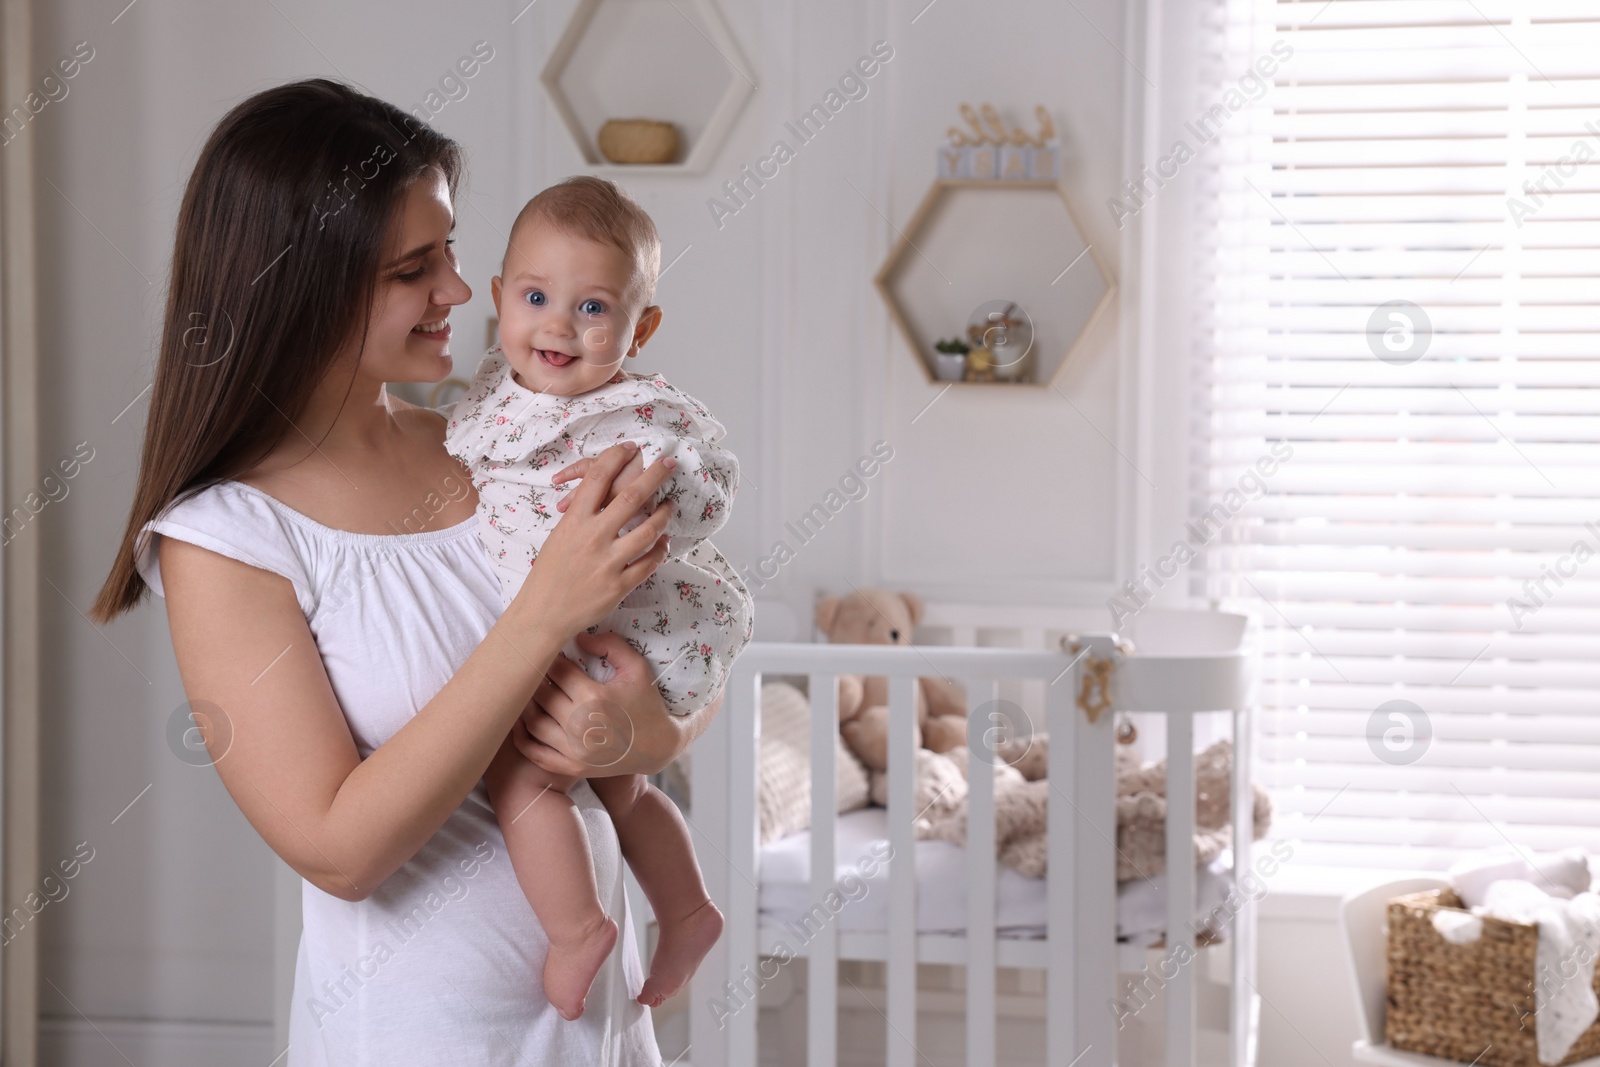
(861, 844)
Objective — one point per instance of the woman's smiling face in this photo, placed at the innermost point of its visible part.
(408, 334)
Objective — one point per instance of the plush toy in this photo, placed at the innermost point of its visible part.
(1142, 810)
(1019, 765)
(1021, 802)
(879, 617)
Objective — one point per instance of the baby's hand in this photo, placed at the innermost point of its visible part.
(632, 471)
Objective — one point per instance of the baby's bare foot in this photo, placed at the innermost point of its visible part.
(683, 945)
(570, 967)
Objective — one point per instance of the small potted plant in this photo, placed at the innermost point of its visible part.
(950, 359)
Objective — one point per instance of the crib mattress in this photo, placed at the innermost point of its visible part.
(1020, 906)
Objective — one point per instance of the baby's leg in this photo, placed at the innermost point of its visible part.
(655, 840)
(549, 850)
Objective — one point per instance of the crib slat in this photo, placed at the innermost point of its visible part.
(743, 844)
(1242, 1005)
(1032, 690)
(822, 968)
(902, 966)
(980, 882)
(1060, 892)
(1082, 879)
(1180, 890)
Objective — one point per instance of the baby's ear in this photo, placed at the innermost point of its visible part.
(494, 291)
(649, 321)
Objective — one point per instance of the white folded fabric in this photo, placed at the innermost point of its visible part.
(1550, 890)
(1560, 874)
(1458, 927)
(1569, 940)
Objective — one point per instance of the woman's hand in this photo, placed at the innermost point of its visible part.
(590, 729)
(585, 568)
(581, 468)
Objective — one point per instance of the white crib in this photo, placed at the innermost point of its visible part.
(1185, 663)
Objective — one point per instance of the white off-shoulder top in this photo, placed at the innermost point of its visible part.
(442, 964)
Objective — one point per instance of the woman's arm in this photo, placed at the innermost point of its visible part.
(343, 823)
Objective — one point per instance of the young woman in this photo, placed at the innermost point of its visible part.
(333, 610)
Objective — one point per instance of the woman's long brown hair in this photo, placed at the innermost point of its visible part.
(274, 270)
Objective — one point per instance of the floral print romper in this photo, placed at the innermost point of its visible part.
(693, 615)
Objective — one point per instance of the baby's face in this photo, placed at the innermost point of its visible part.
(568, 315)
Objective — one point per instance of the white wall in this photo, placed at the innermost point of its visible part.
(770, 319)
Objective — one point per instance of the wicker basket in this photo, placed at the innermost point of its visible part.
(1472, 1003)
(638, 141)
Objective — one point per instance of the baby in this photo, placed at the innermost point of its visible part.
(574, 300)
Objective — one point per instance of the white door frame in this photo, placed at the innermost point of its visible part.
(19, 561)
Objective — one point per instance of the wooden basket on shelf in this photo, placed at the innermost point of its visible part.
(638, 141)
(1474, 1002)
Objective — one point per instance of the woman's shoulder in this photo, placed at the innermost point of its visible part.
(221, 504)
(234, 520)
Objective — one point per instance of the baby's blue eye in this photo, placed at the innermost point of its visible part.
(593, 307)
(536, 298)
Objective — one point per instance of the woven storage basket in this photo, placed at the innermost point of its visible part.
(638, 141)
(1472, 1003)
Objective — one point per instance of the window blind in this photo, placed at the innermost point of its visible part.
(1401, 288)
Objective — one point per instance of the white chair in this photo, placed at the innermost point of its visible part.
(1363, 919)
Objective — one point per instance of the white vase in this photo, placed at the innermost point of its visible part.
(949, 366)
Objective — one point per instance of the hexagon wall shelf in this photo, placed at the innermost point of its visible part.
(671, 60)
(970, 242)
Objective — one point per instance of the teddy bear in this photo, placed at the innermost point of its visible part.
(879, 617)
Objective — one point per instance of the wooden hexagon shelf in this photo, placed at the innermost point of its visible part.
(668, 60)
(973, 242)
